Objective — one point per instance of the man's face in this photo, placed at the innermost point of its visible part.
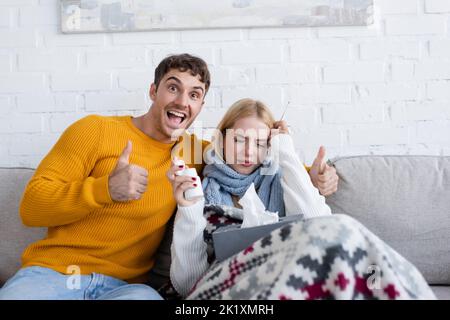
(176, 102)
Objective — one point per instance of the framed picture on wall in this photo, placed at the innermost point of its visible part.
(141, 15)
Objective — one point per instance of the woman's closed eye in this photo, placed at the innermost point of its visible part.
(239, 140)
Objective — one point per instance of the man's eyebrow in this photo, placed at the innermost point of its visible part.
(179, 81)
(174, 78)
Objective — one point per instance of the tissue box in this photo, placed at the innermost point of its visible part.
(230, 240)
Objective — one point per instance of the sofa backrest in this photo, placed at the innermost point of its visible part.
(14, 236)
(405, 200)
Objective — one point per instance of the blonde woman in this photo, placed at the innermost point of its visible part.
(240, 147)
(275, 267)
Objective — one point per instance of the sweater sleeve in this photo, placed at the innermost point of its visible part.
(299, 194)
(188, 250)
(61, 190)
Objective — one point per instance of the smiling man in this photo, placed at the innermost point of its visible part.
(103, 194)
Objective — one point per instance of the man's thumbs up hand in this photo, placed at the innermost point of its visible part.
(124, 158)
(322, 175)
(319, 162)
(127, 181)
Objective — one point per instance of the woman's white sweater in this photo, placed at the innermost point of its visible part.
(188, 250)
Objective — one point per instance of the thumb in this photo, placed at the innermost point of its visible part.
(319, 161)
(124, 158)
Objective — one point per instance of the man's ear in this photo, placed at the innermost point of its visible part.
(152, 92)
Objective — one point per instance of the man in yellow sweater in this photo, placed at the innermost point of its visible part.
(103, 194)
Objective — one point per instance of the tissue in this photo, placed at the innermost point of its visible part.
(255, 213)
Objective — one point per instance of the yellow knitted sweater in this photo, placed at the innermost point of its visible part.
(86, 228)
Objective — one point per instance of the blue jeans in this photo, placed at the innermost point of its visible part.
(38, 283)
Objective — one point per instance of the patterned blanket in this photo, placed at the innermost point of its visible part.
(331, 257)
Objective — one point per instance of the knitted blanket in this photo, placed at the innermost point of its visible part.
(330, 257)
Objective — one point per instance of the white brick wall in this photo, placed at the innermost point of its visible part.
(380, 89)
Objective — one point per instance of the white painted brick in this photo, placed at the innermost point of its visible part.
(60, 122)
(348, 114)
(53, 38)
(209, 117)
(433, 70)
(17, 38)
(397, 113)
(440, 48)
(32, 145)
(206, 53)
(388, 150)
(437, 6)
(40, 103)
(53, 60)
(21, 124)
(80, 82)
(319, 94)
(135, 80)
(291, 73)
(38, 16)
(422, 25)
(433, 132)
(119, 58)
(229, 76)
(348, 32)
(212, 35)
(445, 151)
(360, 72)
(380, 49)
(143, 38)
(21, 82)
(397, 6)
(438, 90)
(245, 53)
(320, 50)
(427, 111)
(5, 63)
(422, 149)
(402, 71)
(114, 101)
(299, 117)
(68, 102)
(279, 33)
(35, 103)
(5, 105)
(387, 92)
(328, 136)
(271, 96)
(212, 98)
(308, 154)
(5, 18)
(370, 135)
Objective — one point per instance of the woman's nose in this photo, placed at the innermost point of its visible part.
(249, 149)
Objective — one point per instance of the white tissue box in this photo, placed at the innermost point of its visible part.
(232, 239)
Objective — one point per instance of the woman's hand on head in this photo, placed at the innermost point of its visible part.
(279, 127)
(181, 183)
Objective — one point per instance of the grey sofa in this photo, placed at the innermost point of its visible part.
(405, 200)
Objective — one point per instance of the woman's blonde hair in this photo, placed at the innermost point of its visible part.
(240, 109)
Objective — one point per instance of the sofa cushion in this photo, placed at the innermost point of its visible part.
(405, 200)
(14, 236)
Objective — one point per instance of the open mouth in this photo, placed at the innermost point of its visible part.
(175, 118)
